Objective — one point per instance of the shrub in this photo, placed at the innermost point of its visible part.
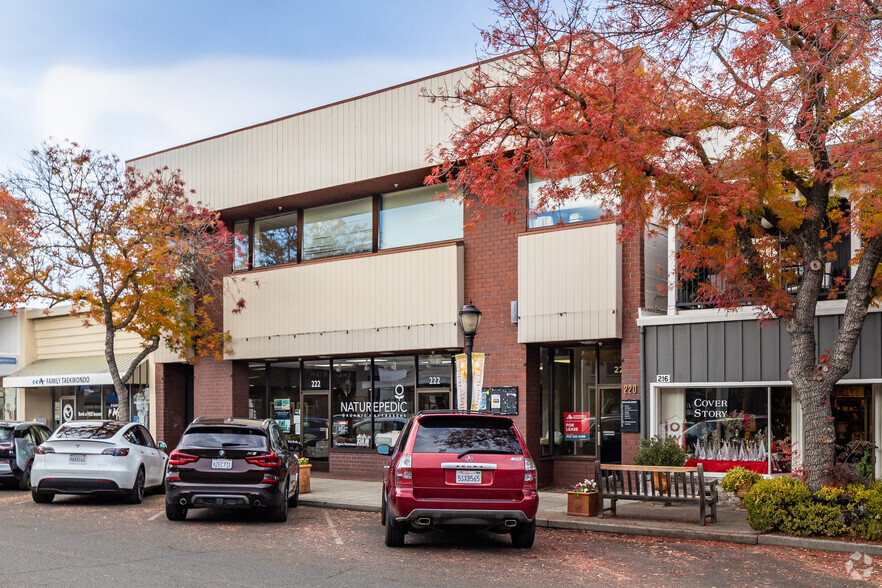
(660, 452)
(769, 502)
(814, 518)
(739, 478)
(865, 511)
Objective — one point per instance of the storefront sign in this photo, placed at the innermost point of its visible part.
(282, 413)
(365, 408)
(630, 416)
(4, 360)
(57, 380)
(709, 408)
(577, 426)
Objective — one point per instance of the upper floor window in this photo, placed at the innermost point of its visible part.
(583, 207)
(338, 229)
(241, 247)
(411, 217)
(275, 240)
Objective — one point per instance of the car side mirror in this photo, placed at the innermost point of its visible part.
(384, 449)
(162, 445)
(295, 447)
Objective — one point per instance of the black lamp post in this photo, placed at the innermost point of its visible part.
(469, 319)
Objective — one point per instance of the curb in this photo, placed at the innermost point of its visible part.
(695, 535)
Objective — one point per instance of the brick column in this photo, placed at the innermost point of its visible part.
(633, 295)
(171, 385)
(220, 388)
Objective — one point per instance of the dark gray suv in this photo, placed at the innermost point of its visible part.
(18, 440)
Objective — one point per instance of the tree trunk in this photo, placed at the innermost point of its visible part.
(819, 433)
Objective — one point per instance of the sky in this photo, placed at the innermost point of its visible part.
(132, 77)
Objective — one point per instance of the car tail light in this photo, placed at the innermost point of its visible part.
(116, 451)
(270, 479)
(529, 474)
(268, 460)
(404, 472)
(179, 458)
(44, 449)
(172, 478)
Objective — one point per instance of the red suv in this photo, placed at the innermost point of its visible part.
(453, 468)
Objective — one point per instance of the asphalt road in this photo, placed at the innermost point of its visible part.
(90, 542)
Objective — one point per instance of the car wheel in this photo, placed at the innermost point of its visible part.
(395, 531)
(136, 494)
(523, 535)
(279, 514)
(295, 500)
(42, 497)
(175, 512)
(25, 482)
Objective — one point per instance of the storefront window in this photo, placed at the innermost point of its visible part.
(257, 403)
(418, 216)
(338, 229)
(89, 403)
(284, 396)
(240, 245)
(275, 240)
(351, 402)
(782, 431)
(576, 209)
(435, 375)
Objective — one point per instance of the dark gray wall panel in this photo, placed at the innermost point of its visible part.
(770, 357)
(716, 353)
(666, 350)
(699, 356)
(752, 356)
(826, 328)
(734, 351)
(682, 353)
(871, 347)
(786, 352)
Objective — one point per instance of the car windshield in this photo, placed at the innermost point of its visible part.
(209, 437)
(461, 435)
(6, 433)
(96, 430)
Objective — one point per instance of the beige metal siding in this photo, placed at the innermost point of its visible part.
(65, 336)
(569, 285)
(399, 301)
(373, 136)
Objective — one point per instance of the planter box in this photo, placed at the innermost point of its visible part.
(304, 478)
(582, 504)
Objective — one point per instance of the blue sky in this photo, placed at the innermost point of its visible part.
(135, 76)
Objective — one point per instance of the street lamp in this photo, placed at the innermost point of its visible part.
(469, 319)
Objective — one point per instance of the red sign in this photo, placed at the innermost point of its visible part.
(577, 425)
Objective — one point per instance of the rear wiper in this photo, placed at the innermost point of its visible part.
(233, 444)
(467, 451)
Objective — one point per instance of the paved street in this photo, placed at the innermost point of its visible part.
(79, 541)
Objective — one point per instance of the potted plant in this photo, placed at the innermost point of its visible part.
(305, 468)
(660, 452)
(583, 499)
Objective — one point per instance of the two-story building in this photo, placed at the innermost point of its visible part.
(354, 273)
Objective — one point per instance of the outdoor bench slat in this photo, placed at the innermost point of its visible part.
(632, 482)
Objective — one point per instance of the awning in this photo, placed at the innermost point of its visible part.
(67, 371)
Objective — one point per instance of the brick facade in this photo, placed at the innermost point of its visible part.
(357, 464)
(171, 398)
(633, 296)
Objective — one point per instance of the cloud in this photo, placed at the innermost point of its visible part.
(133, 112)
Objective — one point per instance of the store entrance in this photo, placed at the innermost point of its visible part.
(610, 437)
(316, 409)
(852, 408)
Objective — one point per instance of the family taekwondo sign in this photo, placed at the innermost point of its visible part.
(57, 380)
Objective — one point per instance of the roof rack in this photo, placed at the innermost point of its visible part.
(454, 411)
(199, 419)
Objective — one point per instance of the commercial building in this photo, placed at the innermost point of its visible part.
(353, 273)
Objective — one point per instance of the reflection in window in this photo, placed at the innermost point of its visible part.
(240, 245)
(582, 207)
(411, 217)
(351, 402)
(338, 229)
(275, 240)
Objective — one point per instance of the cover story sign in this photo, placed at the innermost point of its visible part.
(577, 426)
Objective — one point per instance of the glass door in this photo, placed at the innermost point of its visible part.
(315, 412)
(610, 437)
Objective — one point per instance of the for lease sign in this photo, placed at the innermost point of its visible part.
(577, 426)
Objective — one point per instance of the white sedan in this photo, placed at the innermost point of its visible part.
(96, 457)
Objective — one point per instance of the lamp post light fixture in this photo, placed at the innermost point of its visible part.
(469, 319)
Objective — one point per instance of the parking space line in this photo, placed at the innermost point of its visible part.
(337, 539)
(23, 501)
(156, 516)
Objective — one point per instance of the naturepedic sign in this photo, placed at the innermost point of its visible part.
(577, 426)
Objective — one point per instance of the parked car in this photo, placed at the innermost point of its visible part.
(18, 443)
(98, 457)
(233, 463)
(455, 469)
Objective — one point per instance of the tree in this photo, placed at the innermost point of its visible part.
(127, 250)
(752, 126)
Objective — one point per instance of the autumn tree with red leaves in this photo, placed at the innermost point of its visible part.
(752, 127)
(126, 250)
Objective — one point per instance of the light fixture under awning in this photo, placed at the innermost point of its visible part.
(67, 371)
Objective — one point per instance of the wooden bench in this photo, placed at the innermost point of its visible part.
(656, 483)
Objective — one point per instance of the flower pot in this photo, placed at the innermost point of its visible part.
(583, 504)
(661, 482)
(304, 478)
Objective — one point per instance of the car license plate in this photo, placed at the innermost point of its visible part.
(221, 464)
(468, 477)
(79, 458)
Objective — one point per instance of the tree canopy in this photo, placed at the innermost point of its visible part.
(751, 128)
(127, 250)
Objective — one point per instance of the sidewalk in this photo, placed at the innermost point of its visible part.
(633, 518)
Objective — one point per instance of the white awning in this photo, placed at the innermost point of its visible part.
(67, 371)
